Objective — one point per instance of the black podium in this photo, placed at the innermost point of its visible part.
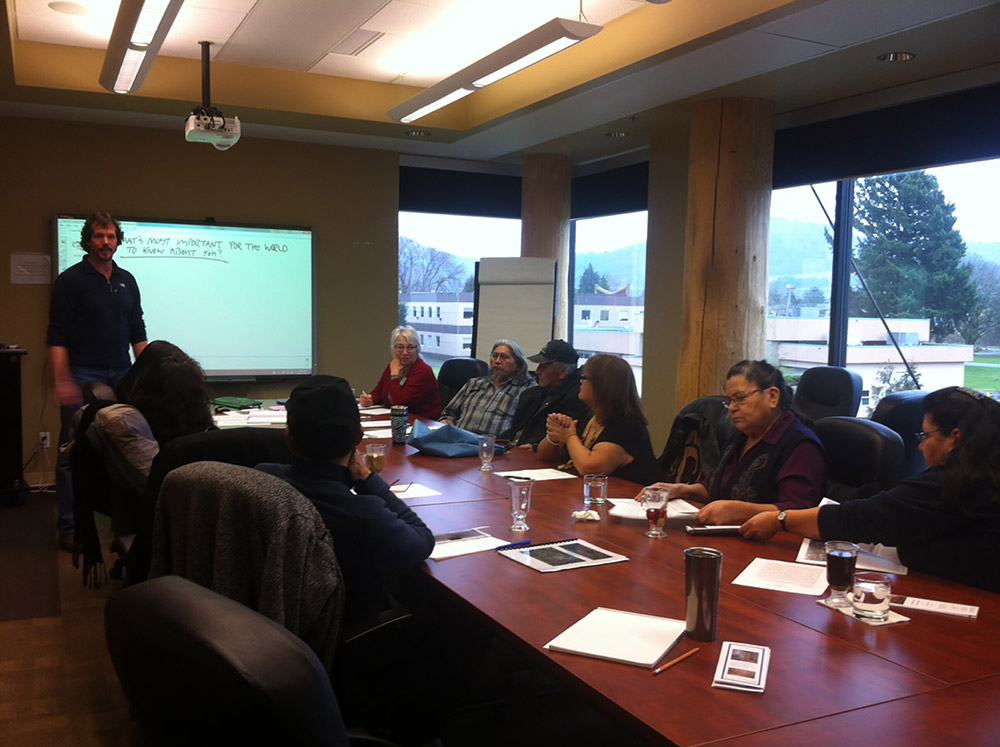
(12, 485)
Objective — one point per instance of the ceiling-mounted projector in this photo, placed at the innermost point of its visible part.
(206, 123)
(203, 127)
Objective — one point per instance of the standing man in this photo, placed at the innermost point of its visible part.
(486, 404)
(557, 391)
(96, 314)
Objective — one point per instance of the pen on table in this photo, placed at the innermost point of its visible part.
(678, 660)
(522, 543)
(393, 482)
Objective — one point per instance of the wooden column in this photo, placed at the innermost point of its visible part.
(545, 212)
(725, 264)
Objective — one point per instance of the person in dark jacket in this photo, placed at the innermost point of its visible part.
(946, 521)
(558, 390)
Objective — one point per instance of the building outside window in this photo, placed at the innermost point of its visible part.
(609, 256)
(929, 250)
(437, 257)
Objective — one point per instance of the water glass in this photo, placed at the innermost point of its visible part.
(871, 596)
(654, 500)
(840, 560)
(520, 502)
(375, 457)
(595, 490)
(487, 444)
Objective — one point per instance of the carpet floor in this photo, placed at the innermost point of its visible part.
(29, 571)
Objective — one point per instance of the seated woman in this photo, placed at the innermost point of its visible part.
(615, 440)
(168, 387)
(946, 521)
(407, 380)
(773, 462)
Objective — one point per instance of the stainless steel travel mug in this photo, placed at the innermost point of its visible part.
(702, 578)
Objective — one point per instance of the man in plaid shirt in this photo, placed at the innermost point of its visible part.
(486, 404)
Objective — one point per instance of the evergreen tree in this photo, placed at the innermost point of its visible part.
(589, 280)
(910, 253)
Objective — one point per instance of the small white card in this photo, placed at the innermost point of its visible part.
(366, 424)
(894, 617)
(413, 490)
(545, 473)
(778, 575)
(742, 666)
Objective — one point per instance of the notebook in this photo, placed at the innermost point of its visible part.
(626, 637)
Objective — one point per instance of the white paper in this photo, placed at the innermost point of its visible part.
(628, 508)
(266, 417)
(627, 637)
(778, 575)
(230, 419)
(465, 542)
(546, 473)
(387, 433)
(30, 269)
(413, 490)
(375, 410)
(870, 558)
(375, 424)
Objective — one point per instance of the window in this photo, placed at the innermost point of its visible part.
(421, 340)
(609, 256)
(437, 259)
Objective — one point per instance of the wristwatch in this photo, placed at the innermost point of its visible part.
(781, 520)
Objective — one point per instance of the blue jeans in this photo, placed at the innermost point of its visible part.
(64, 476)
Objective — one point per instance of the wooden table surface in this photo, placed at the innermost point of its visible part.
(830, 676)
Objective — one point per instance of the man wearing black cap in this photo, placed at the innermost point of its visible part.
(557, 391)
(375, 534)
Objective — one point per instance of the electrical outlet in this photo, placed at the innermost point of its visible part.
(44, 439)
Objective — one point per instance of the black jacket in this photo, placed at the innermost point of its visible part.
(536, 404)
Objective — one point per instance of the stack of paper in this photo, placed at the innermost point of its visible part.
(742, 666)
(626, 637)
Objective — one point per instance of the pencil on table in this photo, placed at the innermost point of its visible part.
(678, 660)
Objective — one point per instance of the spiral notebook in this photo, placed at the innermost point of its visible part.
(561, 556)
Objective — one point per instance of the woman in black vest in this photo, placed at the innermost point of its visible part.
(774, 461)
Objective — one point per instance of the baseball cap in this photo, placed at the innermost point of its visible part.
(558, 351)
(323, 417)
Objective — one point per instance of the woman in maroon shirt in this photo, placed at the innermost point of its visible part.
(407, 380)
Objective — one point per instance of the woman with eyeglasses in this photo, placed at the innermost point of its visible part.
(615, 440)
(946, 521)
(407, 380)
(773, 462)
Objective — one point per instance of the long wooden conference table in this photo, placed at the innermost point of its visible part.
(932, 679)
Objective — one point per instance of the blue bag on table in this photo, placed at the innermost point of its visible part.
(446, 441)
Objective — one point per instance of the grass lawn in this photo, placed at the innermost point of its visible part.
(987, 358)
(977, 377)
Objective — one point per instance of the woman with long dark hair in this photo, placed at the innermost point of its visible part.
(615, 440)
(774, 461)
(947, 520)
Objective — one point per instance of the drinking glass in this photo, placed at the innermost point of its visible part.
(595, 490)
(375, 457)
(840, 559)
(871, 596)
(487, 444)
(654, 500)
(520, 502)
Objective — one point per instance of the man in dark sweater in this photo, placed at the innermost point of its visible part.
(557, 391)
(375, 534)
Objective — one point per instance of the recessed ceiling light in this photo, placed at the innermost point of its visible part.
(70, 8)
(896, 57)
(617, 134)
(417, 133)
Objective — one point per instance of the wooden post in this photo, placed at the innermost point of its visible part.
(545, 212)
(725, 264)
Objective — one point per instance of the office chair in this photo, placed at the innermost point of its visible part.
(254, 538)
(904, 413)
(824, 391)
(862, 457)
(455, 372)
(697, 439)
(200, 669)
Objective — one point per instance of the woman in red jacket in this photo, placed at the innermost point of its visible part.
(407, 380)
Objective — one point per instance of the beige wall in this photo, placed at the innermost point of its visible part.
(348, 196)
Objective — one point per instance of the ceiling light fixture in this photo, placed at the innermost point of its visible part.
(546, 40)
(140, 28)
(896, 57)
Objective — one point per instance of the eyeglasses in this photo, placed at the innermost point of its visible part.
(584, 377)
(924, 435)
(501, 356)
(407, 348)
(738, 397)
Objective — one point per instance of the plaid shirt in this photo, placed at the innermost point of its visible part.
(481, 407)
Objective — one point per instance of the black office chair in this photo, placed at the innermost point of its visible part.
(697, 439)
(862, 457)
(455, 372)
(904, 413)
(200, 669)
(825, 391)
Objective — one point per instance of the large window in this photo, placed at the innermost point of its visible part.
(609, 286)
(926, 267)
(437, 258)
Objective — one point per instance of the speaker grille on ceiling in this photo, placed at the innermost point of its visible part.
(356, 42)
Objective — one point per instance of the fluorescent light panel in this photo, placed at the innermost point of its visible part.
(140, 28)
(546, 40)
